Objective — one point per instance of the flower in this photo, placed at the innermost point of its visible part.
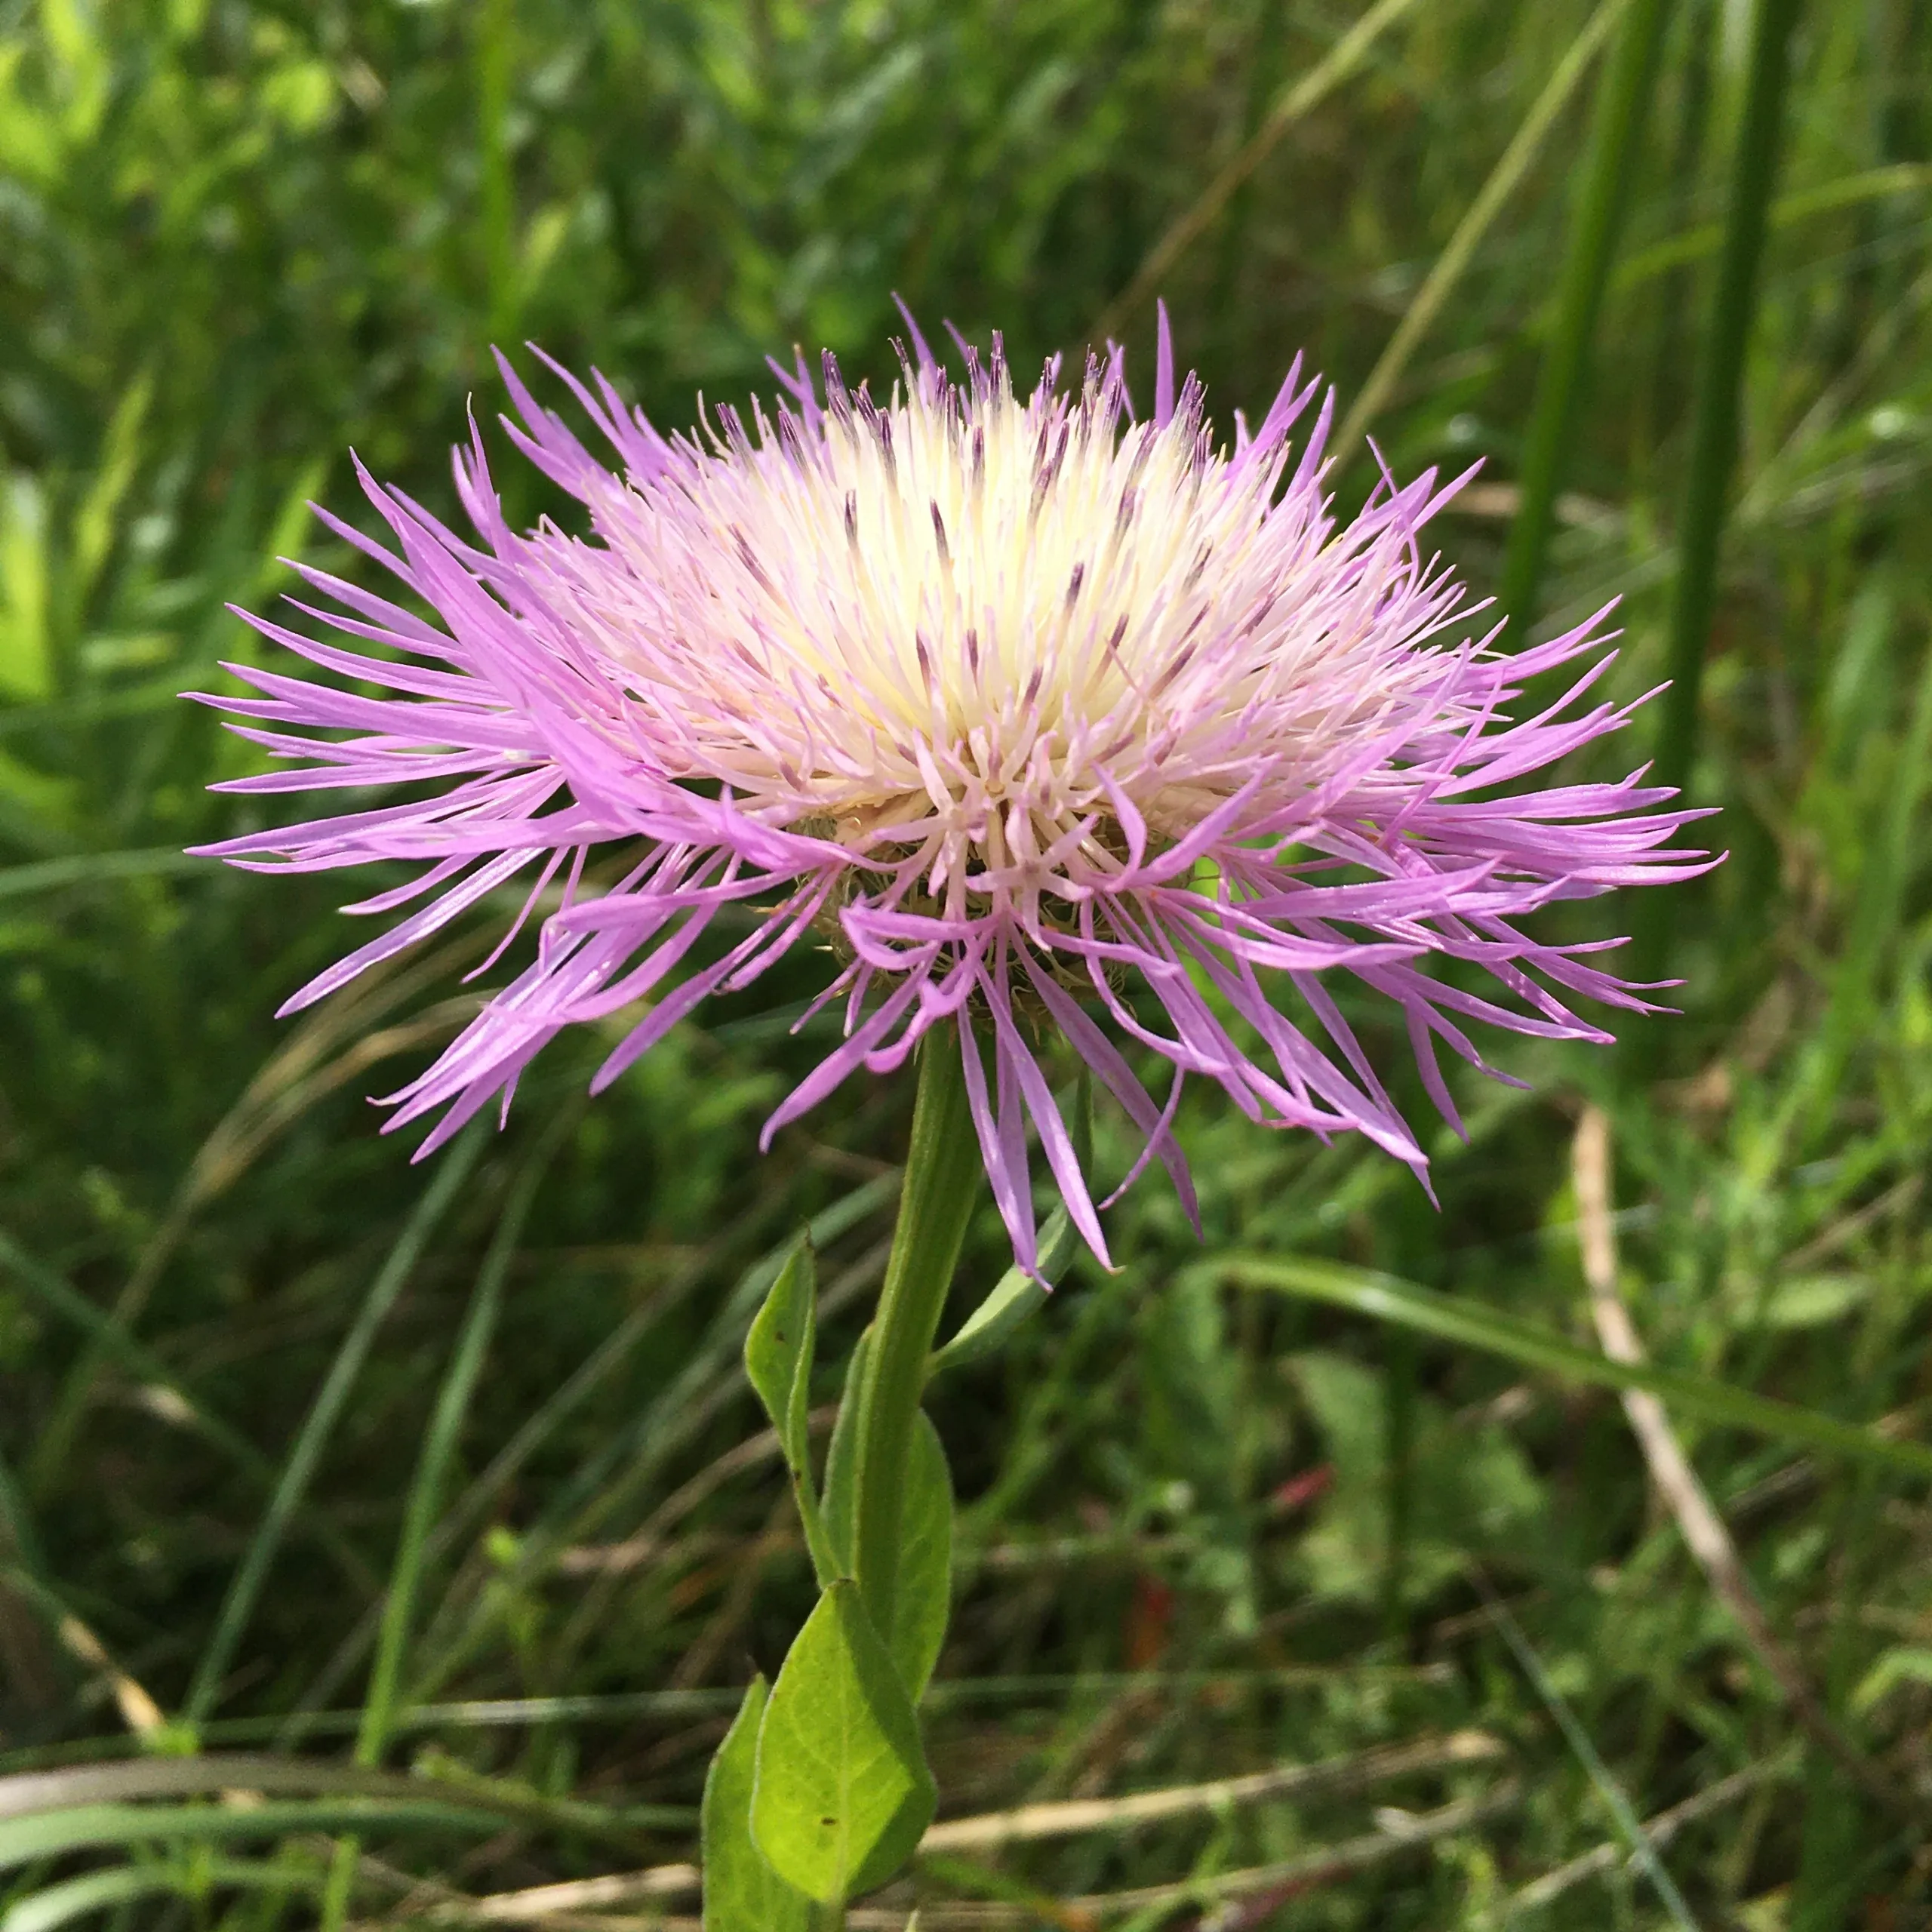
(1046, 714)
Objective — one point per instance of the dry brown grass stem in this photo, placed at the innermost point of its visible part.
(1070, 1816)
(585, 1901)
(1677, 1483)
(572, 1906)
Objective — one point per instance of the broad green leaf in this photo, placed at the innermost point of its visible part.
(779, 1351)
(842, 1462)
(843, 1795)
(923, 1603)
(742, 1893)
(1459, 1318)
(924, 1600)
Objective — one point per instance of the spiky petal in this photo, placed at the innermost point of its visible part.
(1045, 713)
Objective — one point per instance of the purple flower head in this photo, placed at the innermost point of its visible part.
(1047, 715)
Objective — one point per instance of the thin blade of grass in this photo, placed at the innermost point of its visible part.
(27, 1794)
(1643, 1853)
(94, 867)
(90, 1827)
(439, 1445)
(318, 1426)
(1342, 59)
(1718, 405)
(53, 1293)
(1602, 194)
(121, 1885)
(1458, 1318)
(111, 1339)
(1503, 180)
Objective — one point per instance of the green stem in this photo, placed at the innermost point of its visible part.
(1621, 108)
(941, 1186)
(1715, 430)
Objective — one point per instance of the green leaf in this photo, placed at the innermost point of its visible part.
(922, 1604)
(842, 1462)
(843, 1795)
(779, 1350)
(1017, 1295)
(1459, 1318)
(742, 1893)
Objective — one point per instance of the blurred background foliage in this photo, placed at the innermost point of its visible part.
(1207, 1532)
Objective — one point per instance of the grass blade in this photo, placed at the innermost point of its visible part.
(1458, 1318)
(1314, 87)
(1623, 109)
(89, 1827)
(319, 1425)
(90, 868)
(439, 1445)
(30, 1793)
(1635, 1839)
(55, 1294)
(1504, 178)
(426, 1489)
(1714, 430)
(121, 1884)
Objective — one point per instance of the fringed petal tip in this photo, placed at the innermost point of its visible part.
(895, 673)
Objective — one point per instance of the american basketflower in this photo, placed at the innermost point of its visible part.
(1039, 711)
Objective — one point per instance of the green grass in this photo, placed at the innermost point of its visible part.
(279, 1420)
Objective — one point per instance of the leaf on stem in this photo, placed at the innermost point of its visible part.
(843, 1795)
(923, 1603)
(1017, 1295)
(842, 1462)
(742, 1893)
(778, 1351)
